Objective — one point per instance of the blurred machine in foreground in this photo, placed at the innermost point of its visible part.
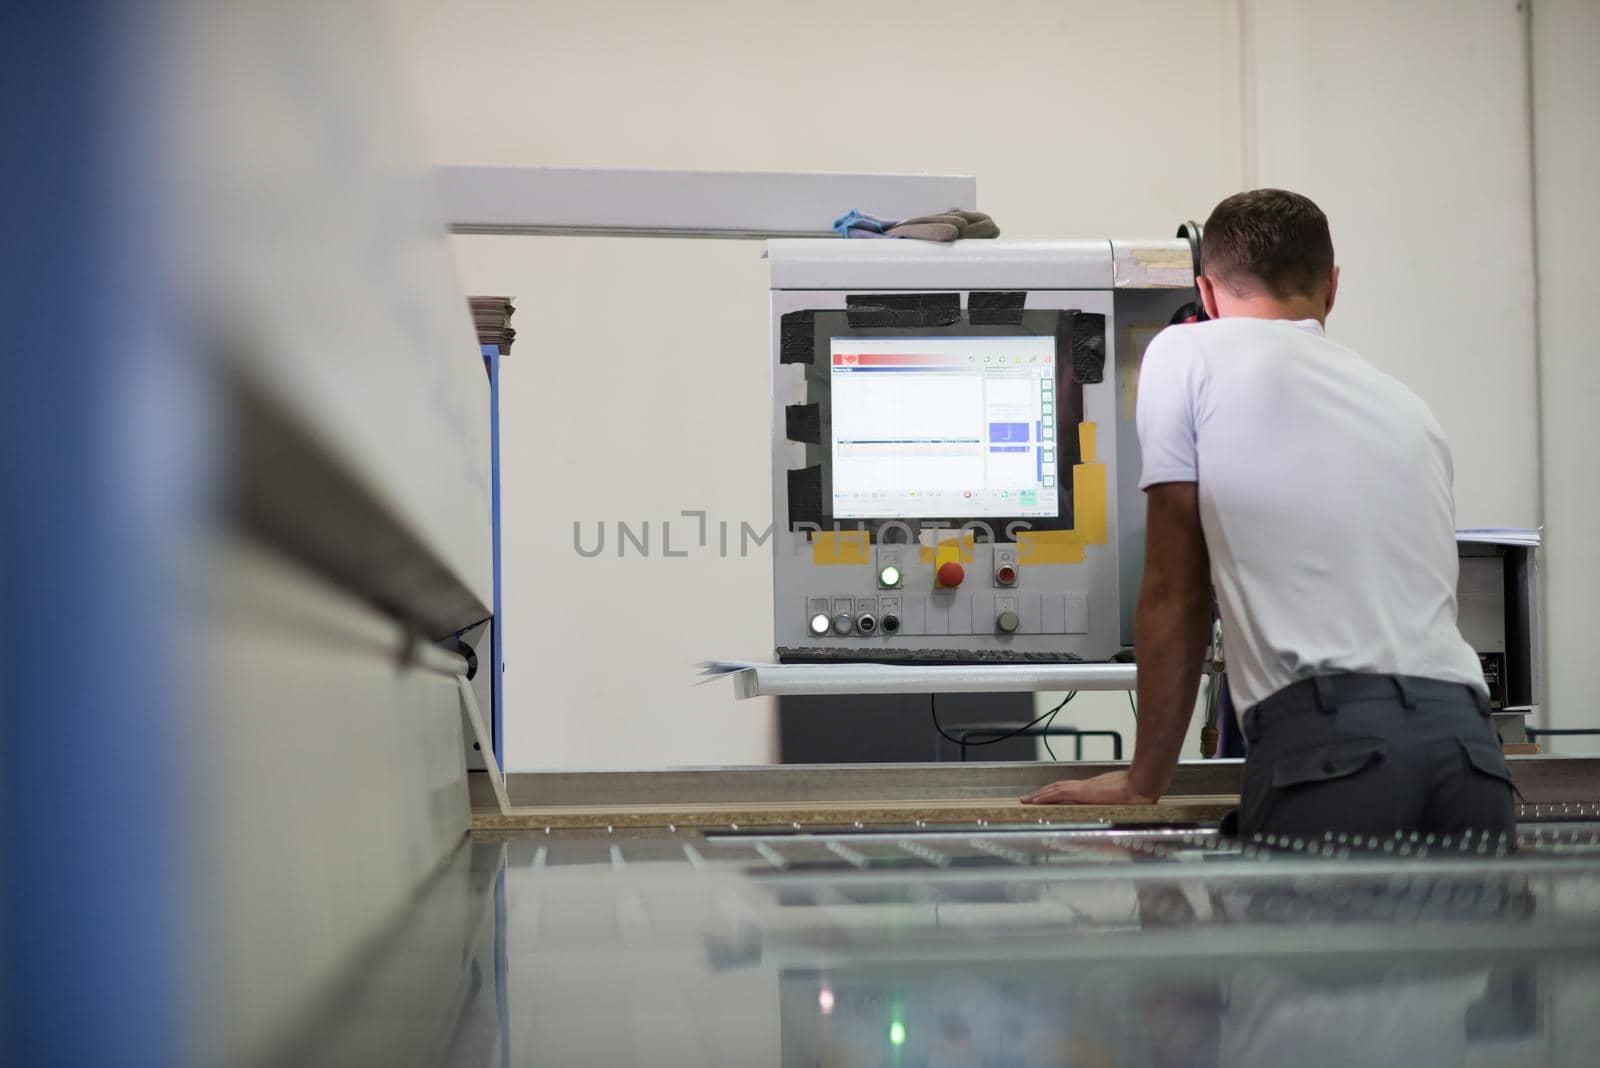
(247, 460)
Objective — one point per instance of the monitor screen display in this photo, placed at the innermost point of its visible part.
(935, 427)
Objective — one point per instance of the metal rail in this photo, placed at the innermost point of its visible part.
(781, 680)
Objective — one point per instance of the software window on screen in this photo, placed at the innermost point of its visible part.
(929, 427)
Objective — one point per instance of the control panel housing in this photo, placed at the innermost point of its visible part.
(954, 459)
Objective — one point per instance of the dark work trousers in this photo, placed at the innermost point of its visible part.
(1372, 755)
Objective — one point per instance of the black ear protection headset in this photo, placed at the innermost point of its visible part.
(1195, 310)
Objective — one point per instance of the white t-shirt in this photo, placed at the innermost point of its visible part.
(1325, 496)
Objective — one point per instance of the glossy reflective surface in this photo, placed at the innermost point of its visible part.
(983, 946)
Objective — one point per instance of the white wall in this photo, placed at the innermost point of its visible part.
(1080, 119)
(635, 390)
(1406, 122)
(1566, 142)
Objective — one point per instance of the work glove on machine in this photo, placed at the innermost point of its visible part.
(952, 225)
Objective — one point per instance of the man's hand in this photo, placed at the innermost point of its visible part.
(1170, 629)
(1112, 788)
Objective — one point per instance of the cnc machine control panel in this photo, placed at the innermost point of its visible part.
(947, 422)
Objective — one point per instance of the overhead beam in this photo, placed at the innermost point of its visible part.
(665, 203)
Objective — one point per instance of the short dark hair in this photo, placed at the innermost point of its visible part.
(1268, 239)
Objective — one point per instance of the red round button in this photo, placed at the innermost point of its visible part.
(1007, 575)
(951, 574)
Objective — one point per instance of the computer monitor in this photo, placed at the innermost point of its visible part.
(927, 427)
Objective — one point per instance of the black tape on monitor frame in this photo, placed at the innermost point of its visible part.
(797, 336)
(803, 423)
(902, 309)
(1081, 342)
(995, 308)
(805, 497)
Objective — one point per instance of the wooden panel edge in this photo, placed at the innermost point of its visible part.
(813, 816)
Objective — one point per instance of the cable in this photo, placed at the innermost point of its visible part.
(1131, 706)
(1051, 722)
(933, 708)
(1208, 726)
(1062, 704)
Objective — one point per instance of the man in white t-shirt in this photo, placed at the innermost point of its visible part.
(1312, 493)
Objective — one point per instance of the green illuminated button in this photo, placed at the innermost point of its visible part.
(897, 1033)
(889, 577)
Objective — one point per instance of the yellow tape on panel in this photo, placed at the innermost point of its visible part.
(831, 547)
(1089, 523)
(958, 549)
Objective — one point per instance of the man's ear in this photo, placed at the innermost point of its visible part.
(1208, 295)
(1333, 289)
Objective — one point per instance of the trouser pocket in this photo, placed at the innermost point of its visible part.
(1331, 786)
(1486, 800)
(1488, 761)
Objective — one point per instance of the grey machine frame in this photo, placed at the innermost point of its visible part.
(1071, 609)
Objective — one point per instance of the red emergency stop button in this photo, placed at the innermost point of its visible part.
(951, 574)
(1006, 575)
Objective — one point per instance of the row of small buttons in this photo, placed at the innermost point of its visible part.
(946, 611)
(1005, 622)
(844, 623)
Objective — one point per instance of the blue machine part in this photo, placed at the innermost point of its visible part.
(104, 459)
(491, 360)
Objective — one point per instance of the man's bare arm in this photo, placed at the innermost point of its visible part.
(1170, 629)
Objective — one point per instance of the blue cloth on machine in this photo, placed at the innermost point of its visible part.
(857, 224)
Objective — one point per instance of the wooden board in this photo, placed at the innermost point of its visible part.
(1178, 810)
